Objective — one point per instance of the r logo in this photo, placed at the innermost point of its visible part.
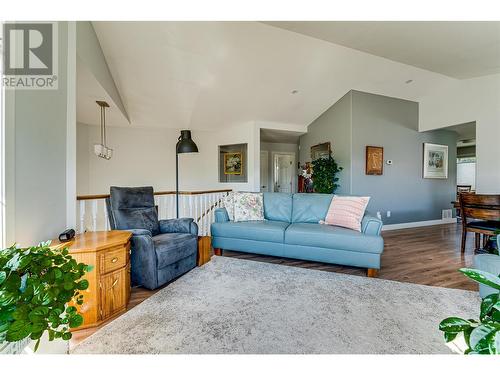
(28, 49)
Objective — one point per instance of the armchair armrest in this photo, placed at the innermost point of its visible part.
(221, 215)
(140, 232)
(184, 225)
(371, 225)
(143, 258)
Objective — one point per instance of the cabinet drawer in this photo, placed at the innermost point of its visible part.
(113, 259)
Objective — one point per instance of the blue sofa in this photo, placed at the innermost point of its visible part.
(291, 230)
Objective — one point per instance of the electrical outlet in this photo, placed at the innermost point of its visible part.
(379, 216)
(446, 214)
(388, 213)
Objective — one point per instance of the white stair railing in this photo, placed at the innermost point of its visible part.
(92, 214)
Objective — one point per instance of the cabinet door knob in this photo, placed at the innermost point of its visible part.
(114, 260)
(112, 286)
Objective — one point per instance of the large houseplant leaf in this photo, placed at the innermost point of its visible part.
(487, 305)
(35, 285)
(454, 325)
(481, 336)
(482, 277)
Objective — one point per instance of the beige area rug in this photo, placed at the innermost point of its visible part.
(239, 306)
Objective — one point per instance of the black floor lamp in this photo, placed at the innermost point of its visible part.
(184, 145)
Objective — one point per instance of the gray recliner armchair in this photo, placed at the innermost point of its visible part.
(161, 250)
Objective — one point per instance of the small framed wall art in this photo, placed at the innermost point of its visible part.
(322, 150)
(233, 163)
(374, 160)
(435, 163)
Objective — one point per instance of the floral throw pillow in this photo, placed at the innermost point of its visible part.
(248, 206)
(228, 203)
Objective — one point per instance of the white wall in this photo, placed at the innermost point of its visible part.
(39, 135)
(146, 156)
(462, 101)
(40, 161)
(466, 174)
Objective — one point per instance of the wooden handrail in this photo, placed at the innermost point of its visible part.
(208, 210)
(104, 196)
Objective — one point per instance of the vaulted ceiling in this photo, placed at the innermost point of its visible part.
(209, 75)
(457, 49)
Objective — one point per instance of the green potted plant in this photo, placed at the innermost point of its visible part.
(36, 284)
(477, 336)
(324, 175)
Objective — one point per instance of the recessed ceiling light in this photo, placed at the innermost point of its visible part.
(295, 92)
(409, 81)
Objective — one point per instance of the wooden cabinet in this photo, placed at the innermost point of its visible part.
(109, 281)
(113, 293)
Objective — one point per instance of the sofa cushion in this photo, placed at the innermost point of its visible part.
(326, 236)
(248, 207)
(228, 203)
(171, 247)
(278, 207)
(310, 208)
(346, 212)
(271, 231)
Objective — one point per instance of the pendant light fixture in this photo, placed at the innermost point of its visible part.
(101, 149)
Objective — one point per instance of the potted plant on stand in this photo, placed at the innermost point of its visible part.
(470, 336)
(36, 285)
(324, 175)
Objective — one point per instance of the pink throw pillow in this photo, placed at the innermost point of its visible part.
(346, 212)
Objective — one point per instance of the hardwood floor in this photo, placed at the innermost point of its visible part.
(427, 255)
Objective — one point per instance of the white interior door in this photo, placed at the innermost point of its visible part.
(264, 171)
(284, 171)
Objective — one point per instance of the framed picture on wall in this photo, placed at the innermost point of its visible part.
(322, 150)
(374, 160)
(233, 163)
(435, 163)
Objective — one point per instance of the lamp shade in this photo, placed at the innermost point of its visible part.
(185, 144)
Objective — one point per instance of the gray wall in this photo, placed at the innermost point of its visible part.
(333, 126)
(392, 123)
(360, 119)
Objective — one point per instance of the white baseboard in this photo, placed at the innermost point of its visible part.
(417, 224)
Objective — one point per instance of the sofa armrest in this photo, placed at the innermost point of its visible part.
(371, 225)
(221, 215)
(184, 225)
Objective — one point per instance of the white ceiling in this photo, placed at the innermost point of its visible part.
(465, 131)
(209, 75)
(457, 49)
(89, 90)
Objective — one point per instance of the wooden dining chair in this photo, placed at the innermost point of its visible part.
(480, 215)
